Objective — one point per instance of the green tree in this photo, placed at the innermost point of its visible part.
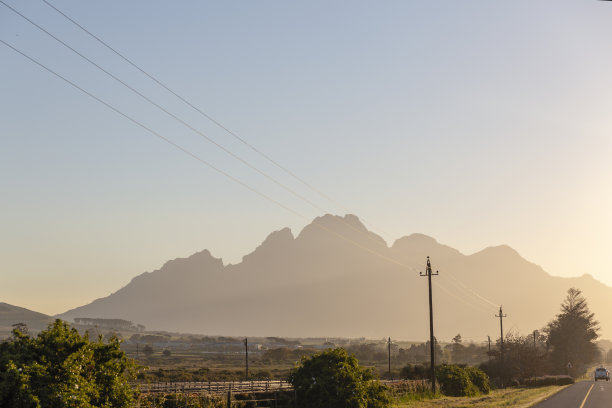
(62, 369)
(455, 381)
(333, 378)
(572, 335)
(147, 350)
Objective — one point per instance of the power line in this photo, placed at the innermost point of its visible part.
(200, 111)
(184, 123)
(160, 107)
(227, 151)
(165, 139)
(473, 292)
(449, 292)
(215, 143)
(194, 156)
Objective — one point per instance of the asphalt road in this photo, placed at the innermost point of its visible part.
(583, 394)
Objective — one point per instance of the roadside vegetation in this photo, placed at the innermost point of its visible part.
(60, 367)
(514, 397)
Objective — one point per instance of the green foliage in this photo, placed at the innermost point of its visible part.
(479, 379)
(147, 350)
(333, 378)
(60, 368)
(181, 400)
(572, 334)
(415, 372)
(455, 381)
(549, 380)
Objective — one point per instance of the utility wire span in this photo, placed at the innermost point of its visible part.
(165, 139)
(390, 259)
(199, 159)
(181, 121)
(463, 287)
(201, 112)
(158, 106)
(459, 284)
(449, 292)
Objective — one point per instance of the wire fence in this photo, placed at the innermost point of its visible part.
(215, 387)
(254, 386)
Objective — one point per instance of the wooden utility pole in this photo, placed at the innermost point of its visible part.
(501, 344)
(489, 338)
(535, 354)
(429, 273)
(389, 357)
(246, 349)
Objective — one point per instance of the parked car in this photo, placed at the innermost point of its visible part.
(602, 373)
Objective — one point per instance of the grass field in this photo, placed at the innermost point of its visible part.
(510, 397)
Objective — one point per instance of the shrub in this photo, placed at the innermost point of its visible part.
(60, 368)
(414, 372)
(455, 381)
(333, 378)
(514, 383)
(549, 380)
(479, 379)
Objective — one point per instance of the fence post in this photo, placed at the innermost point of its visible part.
(229, 399)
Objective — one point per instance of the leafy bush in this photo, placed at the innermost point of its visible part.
(455, 381)
(514, 383)
(60, 368)
(549, 380)
(479, 379)
(333, 378)
(414, 372)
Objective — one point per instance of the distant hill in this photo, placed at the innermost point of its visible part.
(10, 315)
(336, 278)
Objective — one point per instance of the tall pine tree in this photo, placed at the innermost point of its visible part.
(572, 335)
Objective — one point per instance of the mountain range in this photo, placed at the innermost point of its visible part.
(337, 278)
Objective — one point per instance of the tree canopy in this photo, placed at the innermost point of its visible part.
(572, 334)
(333, 378)
(60, 368)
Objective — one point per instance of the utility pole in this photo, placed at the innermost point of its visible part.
(501, 344)
(489, 338)
(389, 357)
(535, 354)
(429, 273)
(246, 349)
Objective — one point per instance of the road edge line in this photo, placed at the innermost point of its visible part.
(587, 395)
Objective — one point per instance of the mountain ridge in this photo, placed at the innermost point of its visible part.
(337, 278)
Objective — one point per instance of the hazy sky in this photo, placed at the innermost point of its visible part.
(476, 122)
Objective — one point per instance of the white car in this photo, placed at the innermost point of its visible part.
(602, 373)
